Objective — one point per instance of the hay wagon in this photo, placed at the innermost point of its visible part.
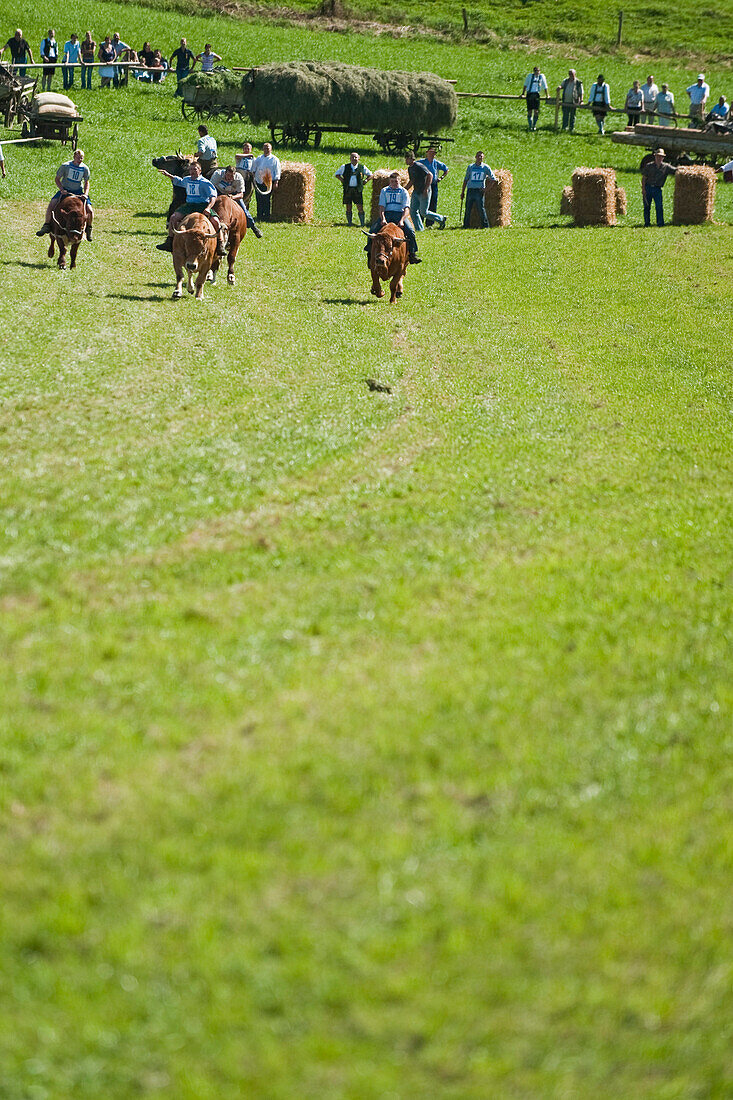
(303, 100)
(681, 146)
(201, 101)
(63, 128)
(15, 95)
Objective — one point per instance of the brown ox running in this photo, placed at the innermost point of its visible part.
(388, 260)
(194, 247)
(234, 226)
(68, 222)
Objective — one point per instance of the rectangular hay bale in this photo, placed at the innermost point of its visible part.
(694, 195)
(380, 179)
(292, 201)
(497, 201)
(621, 204)
(594, 196)
(566, 201)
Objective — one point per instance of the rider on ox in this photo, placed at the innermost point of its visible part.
(229, 182)
(394, 203)
(200, 197)
(72, 178)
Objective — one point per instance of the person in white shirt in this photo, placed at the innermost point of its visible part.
(2, 162)
(353, 175)
(206, 151)
(266, 170)
(634, 103)
(698, 94)
(649, 91)
(244, 161)
(229, 182)
(600, 102)
(727, 170)
(665, 106)
(208, 59)
(534, 85)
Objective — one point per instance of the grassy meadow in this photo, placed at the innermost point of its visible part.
(364, 744)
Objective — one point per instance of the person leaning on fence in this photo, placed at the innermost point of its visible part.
(665, 106)
(122, 53)
(534, 85)
(71, 55)
(634, 103)
(207, 59)
(698, 94)
(353, 175)
(20, 52)
(49, 57)
(649, 91)
(474, 188)
(600, 102)
(266, 170)
(87, 47)
(106, 71)
(229, 182)
(653, 176)
(421, 182)
(571, 96)
(183, 59)
(394, 204)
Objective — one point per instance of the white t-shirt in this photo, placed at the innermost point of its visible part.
(354, 180)
(236, 187)
(535, 82)
(264, 164)
(206, 147)
(650, 93)
(698, 93)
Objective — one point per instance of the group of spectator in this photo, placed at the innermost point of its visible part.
(643, 102)
(146, 63)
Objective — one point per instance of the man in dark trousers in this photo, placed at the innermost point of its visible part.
(653, 176)
(353, 176)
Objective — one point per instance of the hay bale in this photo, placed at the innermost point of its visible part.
(380, 179)
(497, 202)
(694, 195)
(566, 201)
(594, 196)
(620, 202)
(334, 94)
(292, 201)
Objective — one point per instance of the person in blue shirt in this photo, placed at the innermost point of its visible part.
(474, 187)
(200, 197)
(394, 203)
(72, 178)
(438, 171)
(72, 53)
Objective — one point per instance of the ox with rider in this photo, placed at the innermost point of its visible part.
(72, 178)
(394, 206)
(231, 183)
(201, 195)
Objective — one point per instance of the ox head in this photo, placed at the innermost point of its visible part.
(195, 245)
(383, 246)
(69, 219)
(176, 163)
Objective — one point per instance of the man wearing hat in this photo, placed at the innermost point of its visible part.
(653, 176)
(698, 94)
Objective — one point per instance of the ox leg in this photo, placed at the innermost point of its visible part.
(376, 287)
(178, 292)
(74, 250)
(50, 248)
(62, 254)
(395, 287)
(233, 250)
(200, 285)
(214, 269)
(190, 287)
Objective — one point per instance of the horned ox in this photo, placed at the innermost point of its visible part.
(234, 226)
(388, 260)
(194, 248)
(179, 164)
(68, 222)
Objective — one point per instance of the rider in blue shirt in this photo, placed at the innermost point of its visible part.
(200, 197)
(72, 178)
(394, 203)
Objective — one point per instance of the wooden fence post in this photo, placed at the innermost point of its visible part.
(465, 21)
(620, 27)
(558, 96)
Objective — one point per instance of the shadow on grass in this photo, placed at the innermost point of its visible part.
(132, 232)
(148, 214)
(140, 297)
(347, 301)
(24, 263)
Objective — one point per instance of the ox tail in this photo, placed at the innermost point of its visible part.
(265, 187)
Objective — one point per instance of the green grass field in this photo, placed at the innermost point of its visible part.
(364, 745)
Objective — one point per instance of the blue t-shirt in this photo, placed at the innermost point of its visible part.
(476, 176)
(72, 51)
(197, 190)
(434, 167)
(73, 177)
(393, 199)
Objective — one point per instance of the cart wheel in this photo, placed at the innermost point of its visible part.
(74, 137)
(300, 135)
(24, 106)
(243, 114)
(278, 134)
(189, 110)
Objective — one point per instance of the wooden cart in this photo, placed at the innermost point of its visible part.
(200, 103)
(15, 96)
(63, 128)
(681, 146)
(390, 141)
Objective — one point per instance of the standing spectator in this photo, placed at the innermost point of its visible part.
(474, 187)
(534, 85)
(20, 51)
(160, 67)
(146, 55)
(571, 96)
(698, 94)
(421, 181)
(634, 103)
(244, 161)
(207, 59)
(665, 106)
(650, 93)
(600, 102)
(719, 112)
(438, 171)
(49, 57)
(88, 47)
(106, 54)
(266, 170)
(2, 162)
(122, 53)
(653, 176)
(183, 59)
(206, 151)
(353, 176)
(72, 53)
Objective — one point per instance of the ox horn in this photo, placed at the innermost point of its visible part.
(369, 235)
(179, 230)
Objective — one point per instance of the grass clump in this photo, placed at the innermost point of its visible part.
(336, 94)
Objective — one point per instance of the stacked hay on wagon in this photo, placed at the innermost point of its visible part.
(223, 80)
(334, 94)
(497, 202)
(566, 201)
(380, 179)
(694, 195)
(292, 200)
(594, 196)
